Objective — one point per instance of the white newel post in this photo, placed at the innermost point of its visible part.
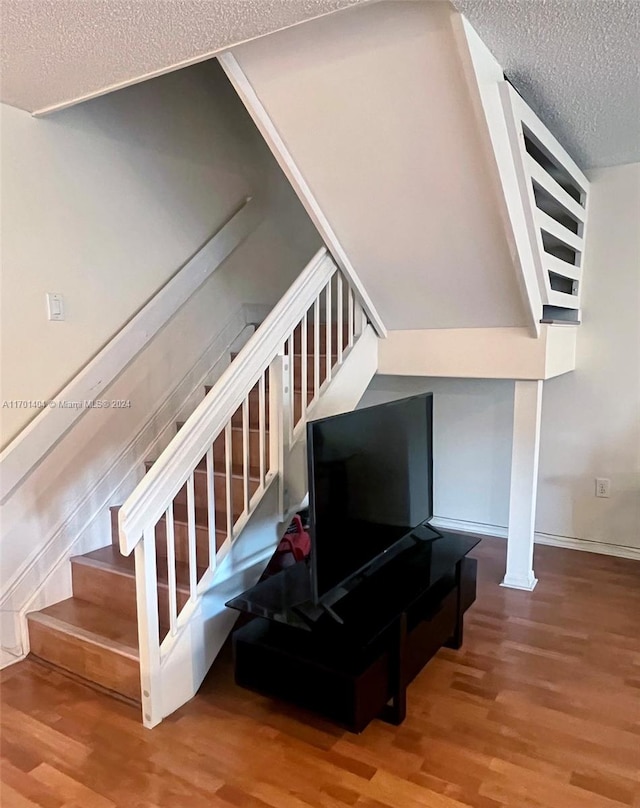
(148, 629)
(527, 409)
(280, 403)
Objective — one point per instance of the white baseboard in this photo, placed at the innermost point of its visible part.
(587, 546)
(500, 532)
(462, 526)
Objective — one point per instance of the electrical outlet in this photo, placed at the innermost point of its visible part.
(602, 486)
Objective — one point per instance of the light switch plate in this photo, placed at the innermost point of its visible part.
(55, 306)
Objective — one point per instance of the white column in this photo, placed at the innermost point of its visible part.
(527, 409)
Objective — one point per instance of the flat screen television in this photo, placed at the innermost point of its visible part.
(370, 486)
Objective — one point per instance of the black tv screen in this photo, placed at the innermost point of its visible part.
(370, 484)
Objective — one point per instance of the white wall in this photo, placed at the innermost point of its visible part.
(472, 442)
(373, 107)
(61, 507)
(104, 202)
(590, 417)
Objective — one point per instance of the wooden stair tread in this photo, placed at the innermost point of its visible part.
(297, 337)
(110, 558)
(236, 472)
(202, 517)
(180, 517)
(91, 623)
(296, 353)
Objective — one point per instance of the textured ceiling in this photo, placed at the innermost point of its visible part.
(55, 52)
(577, 63)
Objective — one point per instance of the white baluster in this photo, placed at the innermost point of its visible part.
(211, 509)
(191, 535)
(228, 473)
(261, 427)
(350, 318)
(303, 366)
(171, 569)
(278, 427)
(328, 329)
(359, 319)
(288, 378)
(316, 347)
(246, 492)
(339, 313)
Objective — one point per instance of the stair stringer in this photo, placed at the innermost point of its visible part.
(484, 74)
(187, 661)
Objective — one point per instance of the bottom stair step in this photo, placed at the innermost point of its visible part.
(107, 579)
(89, 641)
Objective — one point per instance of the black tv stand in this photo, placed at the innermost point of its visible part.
(332, 613)
(354, 660)
(425, 533)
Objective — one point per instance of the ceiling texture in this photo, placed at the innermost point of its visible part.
(57, 52)
(576, 62)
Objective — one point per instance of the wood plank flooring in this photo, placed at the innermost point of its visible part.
(540, 709)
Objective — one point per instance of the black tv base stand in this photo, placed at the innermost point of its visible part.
(356, 667)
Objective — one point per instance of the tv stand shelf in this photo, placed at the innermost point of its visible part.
(354, 662)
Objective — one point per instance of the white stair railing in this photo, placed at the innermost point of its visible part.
(555, 196)
(263, 398)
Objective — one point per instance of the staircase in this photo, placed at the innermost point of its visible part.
(146, 625)
(94, 634)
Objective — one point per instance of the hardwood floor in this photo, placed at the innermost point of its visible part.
(541, 707)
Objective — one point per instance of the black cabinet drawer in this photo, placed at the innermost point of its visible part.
(344, 694)
(426, 639)
(468, 576)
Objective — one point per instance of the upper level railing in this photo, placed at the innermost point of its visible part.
(554, 195)
(196, 498)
